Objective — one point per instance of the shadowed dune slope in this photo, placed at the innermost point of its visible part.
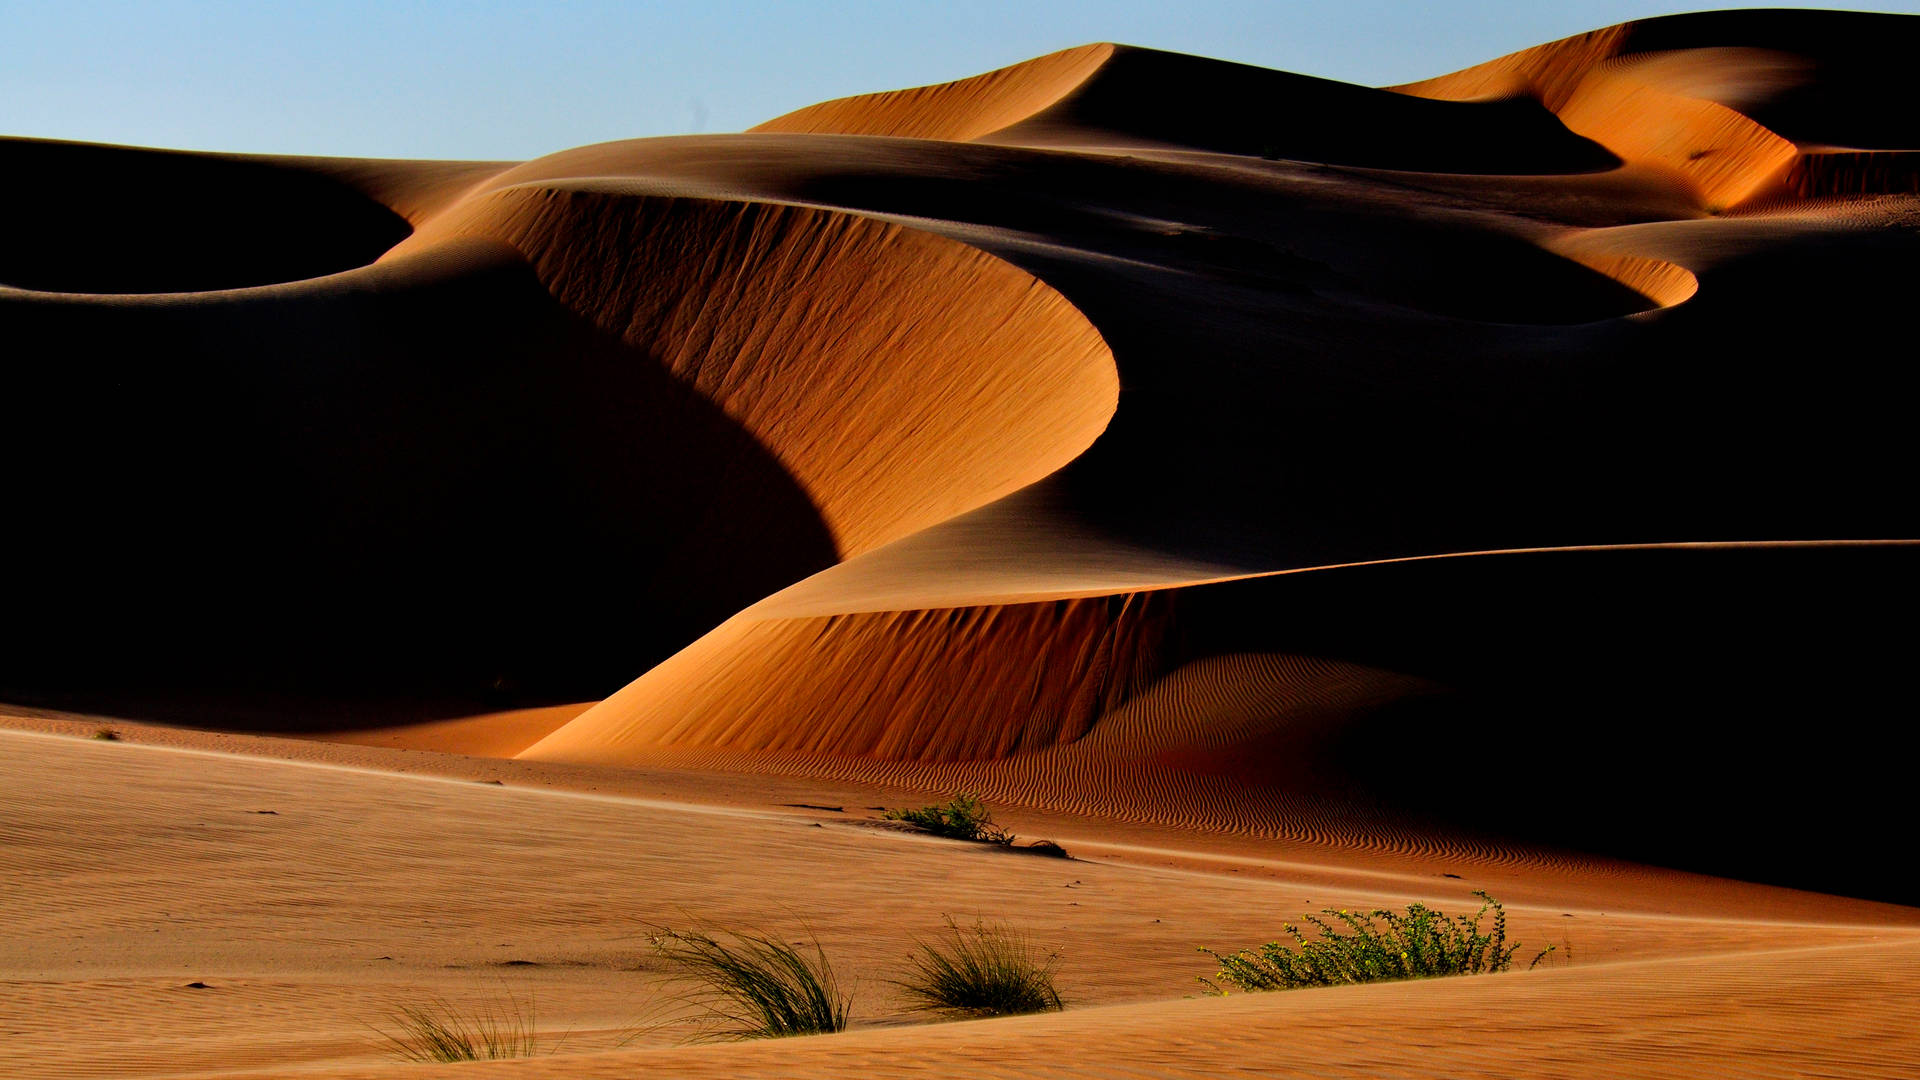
(1027, 432)
(415, 483)
(424, 482)
(112, 219)
(1626, 701)
(1119, 95)
(1149, 97)
(901, 377)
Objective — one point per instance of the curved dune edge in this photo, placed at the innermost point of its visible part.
(1223, 743)
(100, 219)
(931, 685)
(929, 688)
(1643, 108)
(1665, 283)
(902, 377)
(1323, 713)
(132, 220)
(416, 190)
(955, 111)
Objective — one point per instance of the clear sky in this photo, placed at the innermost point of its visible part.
(495, 79)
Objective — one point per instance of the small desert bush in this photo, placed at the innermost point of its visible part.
(755, 987)
(1373, 947)
(981, 970)
(437, 1031)
(106, 734)
(964, 817)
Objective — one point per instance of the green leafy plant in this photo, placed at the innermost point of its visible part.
(964, 817)
(755, 987)
(435, 1030)
(1373, 947)
(981, 970)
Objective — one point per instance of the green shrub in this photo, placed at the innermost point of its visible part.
(437, 1031)
(964, 817)
(982, 970)
(1374, 947)
(756, 987)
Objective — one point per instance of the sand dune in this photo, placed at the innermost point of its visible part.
(1695, 94)
(901, 378)
(954, 111)
(1224, 468)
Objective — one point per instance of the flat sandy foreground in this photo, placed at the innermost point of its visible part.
(187, 905)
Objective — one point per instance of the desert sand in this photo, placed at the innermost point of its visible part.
(1282, 493)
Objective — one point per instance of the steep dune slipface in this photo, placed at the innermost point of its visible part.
(966, 684)
(1610, 700)
(901, 377)
(1735, 103)
(1648, 110)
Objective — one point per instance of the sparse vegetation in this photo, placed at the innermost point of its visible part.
(978, 971)
(1373, 947)
(438, 1031)
(964, 817)
(756, 987)
(105, 734)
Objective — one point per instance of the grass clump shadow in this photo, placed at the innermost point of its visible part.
(756, 987)
(980, 971)
(1373, 947)
(435, 1030)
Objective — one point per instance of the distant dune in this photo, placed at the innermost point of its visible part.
(1120, 432)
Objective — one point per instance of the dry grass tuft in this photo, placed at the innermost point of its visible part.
(435, 1030)
(1373, 947)
(755, 987)
(981, 970)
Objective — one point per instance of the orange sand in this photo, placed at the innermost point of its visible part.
(1283, 493)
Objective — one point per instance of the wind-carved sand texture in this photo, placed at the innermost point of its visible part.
(1280, 492)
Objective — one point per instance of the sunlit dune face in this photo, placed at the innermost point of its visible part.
(447, 591)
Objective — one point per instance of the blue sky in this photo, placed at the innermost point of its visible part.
(484, 79)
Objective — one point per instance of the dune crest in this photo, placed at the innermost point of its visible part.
(954, 111)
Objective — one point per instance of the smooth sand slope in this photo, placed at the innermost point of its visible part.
(1504, 469)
